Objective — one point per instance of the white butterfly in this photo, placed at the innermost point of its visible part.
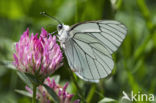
(89, 46)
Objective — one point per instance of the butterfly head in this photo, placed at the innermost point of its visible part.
(63, 32)
(59, 27)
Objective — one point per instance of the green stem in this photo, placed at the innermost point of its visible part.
(80, 94)
(34, 93)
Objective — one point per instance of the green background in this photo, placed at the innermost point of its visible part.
(135, 60)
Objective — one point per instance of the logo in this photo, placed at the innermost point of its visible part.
(138, 96)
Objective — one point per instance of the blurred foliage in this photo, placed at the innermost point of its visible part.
(135, 66)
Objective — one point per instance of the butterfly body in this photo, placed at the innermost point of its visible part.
(63, 34)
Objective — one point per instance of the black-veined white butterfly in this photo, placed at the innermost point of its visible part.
(89, 46)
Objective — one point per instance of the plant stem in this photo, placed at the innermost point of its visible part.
(80, 94)
(34, 93)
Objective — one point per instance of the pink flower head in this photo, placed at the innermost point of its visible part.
(38, 53)
(44, 97)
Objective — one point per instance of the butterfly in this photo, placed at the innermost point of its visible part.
(89, 46)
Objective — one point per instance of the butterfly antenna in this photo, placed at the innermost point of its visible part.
(45, 14)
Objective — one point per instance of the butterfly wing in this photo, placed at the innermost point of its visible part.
(89, 49)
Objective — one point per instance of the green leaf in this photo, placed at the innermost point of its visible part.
(106, 100)
(91, 93)
(25, 93)
(52, 93)
(25, 79)
(33, 79)
(8, 64)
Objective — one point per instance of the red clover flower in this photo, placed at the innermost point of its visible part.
(37, 54)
